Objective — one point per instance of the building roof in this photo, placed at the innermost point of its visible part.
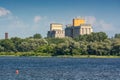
(56, 23)
(69, 25)
(85, 25)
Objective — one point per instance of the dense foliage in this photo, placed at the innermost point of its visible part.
(94, 44)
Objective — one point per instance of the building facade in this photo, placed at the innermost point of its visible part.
(78, 21)
(56, 34)
(79, 27)
(82, 29)
(56, 31)
(55, 26)
(69, 30)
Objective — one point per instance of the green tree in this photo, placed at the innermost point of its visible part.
(83, 47)
(115, 47)
(49, 49)
(99, 48)
(8, 45)
(24, 47)
(17, 41)
(31, 44)
(1, 49)
(117, 36)
(37, 36)
(98, 36)
(55, 40)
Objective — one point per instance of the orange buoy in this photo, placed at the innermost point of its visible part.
(17, 71)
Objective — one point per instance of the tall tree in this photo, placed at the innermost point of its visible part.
(117, 36)
(115, 47)
(8, 45)
(37, 36)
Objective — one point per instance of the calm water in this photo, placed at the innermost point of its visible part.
(32, 68)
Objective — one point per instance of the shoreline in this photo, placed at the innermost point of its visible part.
(33, 54)
(88, 56)
(66, 56)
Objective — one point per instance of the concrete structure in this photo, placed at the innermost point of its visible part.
(78, 28)
(56, 31)
(55, 26)
(69, 31)
(81, 30)
(6, 35)
(56, 34)
(78, 21)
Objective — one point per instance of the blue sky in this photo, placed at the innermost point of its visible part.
(23, 18)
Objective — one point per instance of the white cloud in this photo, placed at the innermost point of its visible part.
(37, 19)
(102, 25)
(17, 27)
(4, 12)
(105, 26)
(90, 19)
(98, 25)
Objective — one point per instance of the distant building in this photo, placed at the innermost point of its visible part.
(56, 34)
(69, 30)
(78, 21)
(78, 28)
(6, 35)
(55, 26)
(82, 29)
(56, 31)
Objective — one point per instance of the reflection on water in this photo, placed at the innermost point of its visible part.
(33, 68)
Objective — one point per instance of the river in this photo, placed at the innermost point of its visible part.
(36, 68)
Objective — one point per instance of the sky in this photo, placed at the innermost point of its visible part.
(24, 18)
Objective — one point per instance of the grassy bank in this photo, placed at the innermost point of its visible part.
(19, 54)
(88, 56)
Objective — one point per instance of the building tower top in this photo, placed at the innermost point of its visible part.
(78, 21)
(55, 26)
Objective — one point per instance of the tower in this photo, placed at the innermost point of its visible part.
(78, 21)
(6, 35)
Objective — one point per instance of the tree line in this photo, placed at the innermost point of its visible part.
(96, 43)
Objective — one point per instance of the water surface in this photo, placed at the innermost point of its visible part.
(35, 68)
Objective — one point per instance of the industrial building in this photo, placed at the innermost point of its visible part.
(56, 31)
(78, 27)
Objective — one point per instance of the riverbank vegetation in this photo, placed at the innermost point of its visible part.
(95, 44)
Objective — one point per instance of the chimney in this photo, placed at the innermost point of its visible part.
(6, 35)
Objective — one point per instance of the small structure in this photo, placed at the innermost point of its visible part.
(6, 35)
